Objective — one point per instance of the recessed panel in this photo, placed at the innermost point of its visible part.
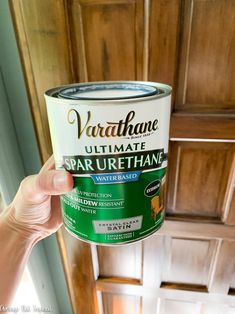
(121, 261)
(163, 39)
(209, 56)
(111, 37)
(178, 307)
(198, 177)
(121, 304)
(188, 261)
(211, 308)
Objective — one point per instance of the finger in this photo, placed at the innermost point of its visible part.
(37, 188)
(55, 220)
(49, 165)
(54, 182)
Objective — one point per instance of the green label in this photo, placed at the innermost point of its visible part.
(116, 207)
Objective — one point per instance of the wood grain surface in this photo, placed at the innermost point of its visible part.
(188, 266)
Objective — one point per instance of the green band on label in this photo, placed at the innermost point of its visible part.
(113, 213)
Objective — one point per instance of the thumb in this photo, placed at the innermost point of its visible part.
(35, 189)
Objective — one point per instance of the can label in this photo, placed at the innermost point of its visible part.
(117, 154)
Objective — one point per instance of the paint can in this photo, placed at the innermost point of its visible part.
(113, 137)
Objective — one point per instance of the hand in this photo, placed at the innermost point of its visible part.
(35, 211)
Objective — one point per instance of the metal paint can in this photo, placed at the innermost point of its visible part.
(113, 137)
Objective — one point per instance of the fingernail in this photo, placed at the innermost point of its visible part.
(60, 179)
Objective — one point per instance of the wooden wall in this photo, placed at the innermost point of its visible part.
(189, 44)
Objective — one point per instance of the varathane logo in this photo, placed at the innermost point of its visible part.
(121, 128)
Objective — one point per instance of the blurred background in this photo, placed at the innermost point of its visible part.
(188, 267)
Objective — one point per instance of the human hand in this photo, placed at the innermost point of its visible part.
(35, 211)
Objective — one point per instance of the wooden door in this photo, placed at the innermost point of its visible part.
(189, 265)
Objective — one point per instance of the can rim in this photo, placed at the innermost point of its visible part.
(136, 90)
(153, 91)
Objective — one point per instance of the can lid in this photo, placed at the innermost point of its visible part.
(109, 91)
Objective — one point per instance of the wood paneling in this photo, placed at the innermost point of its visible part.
(164, 18)
(45, 50)
(101, 28)
(174, 306)
(190, 45)
(197, 228)
(207, 57)
(125, 304)
(188, 261)
(153, 260)
(122, 261)
(199, 126)
(229, 204)
(198, 176)
(165, 293)
(231, 208)
(216, 309)
(211, 62)
(79, 269)
(221, 279)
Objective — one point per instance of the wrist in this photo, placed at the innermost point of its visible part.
(25, 235)
(15, 245)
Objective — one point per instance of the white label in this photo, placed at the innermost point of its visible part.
(119, 225)
(89, 129)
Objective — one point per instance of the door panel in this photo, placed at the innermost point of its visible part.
(211, 57)
(123, 261)
(207, 57)
(190, 45)
(94, 26)
(188, 261)
(198, 178)
(173, 306)
(117, 303)
(163, 27)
